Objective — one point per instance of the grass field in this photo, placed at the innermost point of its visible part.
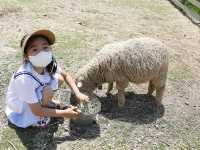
(82, 27)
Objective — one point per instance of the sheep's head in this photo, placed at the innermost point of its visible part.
(85, 85)
(86, 78)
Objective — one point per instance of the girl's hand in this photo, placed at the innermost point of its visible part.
(71, 112)
(82, 97)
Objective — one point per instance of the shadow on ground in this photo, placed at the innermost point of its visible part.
(139, 108)
(80, 132)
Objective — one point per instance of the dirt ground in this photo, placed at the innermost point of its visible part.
(82, 28)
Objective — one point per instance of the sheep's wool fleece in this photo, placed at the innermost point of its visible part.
(137, 60)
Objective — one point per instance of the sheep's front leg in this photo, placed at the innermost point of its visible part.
(120, 95)
(151, 88)
(110, 87)
(159, 94)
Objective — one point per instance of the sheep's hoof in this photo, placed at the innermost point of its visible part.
(150, 96)
(158, 103)
(149, 93)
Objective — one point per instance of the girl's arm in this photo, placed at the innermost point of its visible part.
(70, 81)
(38, 110)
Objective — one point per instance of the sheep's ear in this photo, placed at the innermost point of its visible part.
(79, 84)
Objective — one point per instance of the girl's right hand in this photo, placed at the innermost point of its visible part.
(71, 112)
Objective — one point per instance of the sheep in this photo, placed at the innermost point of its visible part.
(137, 60)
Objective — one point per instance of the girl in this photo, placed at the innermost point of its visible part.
(32, 86)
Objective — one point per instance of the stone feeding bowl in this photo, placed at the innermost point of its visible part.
(88, 111)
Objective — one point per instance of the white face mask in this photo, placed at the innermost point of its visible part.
(42, 59)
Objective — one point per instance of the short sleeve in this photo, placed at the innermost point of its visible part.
(59, 69)
(25, 89)
(54, 83)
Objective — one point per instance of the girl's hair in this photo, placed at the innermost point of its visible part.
(52, 67)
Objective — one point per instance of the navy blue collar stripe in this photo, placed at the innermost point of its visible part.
(30, 74)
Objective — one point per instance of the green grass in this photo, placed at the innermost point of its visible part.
(71, 48)
(192, 7)
(10, 140)
(160, 146)
(14, 44)
(30, 138)
(67, 45)
(179, 72)
(142, 4)
(9, 6)
(15, 6)
(73, 40)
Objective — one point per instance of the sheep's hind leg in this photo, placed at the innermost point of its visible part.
(110, 87)
(159, 86)
(120, 95)
(159, 94)
(151, 88)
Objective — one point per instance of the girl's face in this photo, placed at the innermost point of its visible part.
(37, 45)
